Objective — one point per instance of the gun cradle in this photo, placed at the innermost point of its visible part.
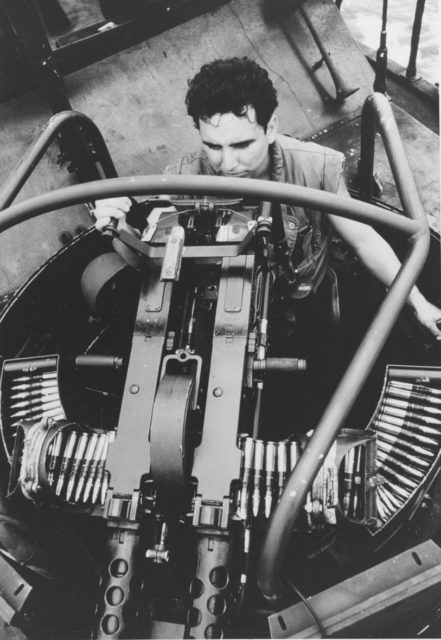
(188, 477)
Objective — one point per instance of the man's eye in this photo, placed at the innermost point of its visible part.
(214, 147)
(242, 145)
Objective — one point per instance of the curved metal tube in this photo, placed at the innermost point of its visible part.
(205, 185)
(270, 569)
(271, 565)
(17, 178)
(377, 109)
(36, 150)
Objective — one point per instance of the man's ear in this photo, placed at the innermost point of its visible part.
(272, 128)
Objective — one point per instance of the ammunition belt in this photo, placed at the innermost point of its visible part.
(29, 390)
(264, 472)
(407, 423)
(57, 460)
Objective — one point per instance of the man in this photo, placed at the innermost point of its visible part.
(232, 103)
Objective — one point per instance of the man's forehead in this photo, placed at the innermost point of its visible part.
(229, 129)
(230, 118)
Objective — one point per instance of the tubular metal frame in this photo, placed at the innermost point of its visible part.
(204, 185)
(376, 111)
(56, 125)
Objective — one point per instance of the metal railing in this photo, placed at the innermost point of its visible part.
(377, 111)
(411, 71)
(56, 126)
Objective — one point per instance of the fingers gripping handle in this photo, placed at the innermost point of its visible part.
(111, 229)
(130, 211)
(109, 212)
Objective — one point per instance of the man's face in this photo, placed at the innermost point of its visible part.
(238, 146)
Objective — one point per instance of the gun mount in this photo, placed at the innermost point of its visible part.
(142, 409)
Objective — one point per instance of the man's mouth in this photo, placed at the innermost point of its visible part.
(239, 174)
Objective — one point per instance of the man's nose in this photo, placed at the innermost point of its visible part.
(228, 160)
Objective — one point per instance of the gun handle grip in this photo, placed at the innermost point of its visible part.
(110, 229)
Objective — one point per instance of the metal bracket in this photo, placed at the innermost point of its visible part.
(184, 358)
(227, 250)
(171, 266)
(211, 514)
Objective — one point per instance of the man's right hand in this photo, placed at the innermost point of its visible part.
(110, 208)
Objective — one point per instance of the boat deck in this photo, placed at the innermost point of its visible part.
(136, 98)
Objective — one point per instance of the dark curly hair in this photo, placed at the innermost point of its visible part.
(231, 85)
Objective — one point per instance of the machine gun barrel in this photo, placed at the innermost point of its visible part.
(124, 562)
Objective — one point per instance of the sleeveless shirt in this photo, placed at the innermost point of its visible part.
(308, 231)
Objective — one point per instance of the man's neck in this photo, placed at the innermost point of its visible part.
(265, 171)
(267, 174)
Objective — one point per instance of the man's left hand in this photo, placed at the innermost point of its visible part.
(429, 316)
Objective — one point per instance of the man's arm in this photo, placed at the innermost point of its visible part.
(379, 258)
(118, 208)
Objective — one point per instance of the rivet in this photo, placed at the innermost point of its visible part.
(134, 388)
(291, 225)
(218, 392)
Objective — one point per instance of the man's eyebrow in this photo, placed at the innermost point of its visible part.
(235, 144)
(243, 142)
